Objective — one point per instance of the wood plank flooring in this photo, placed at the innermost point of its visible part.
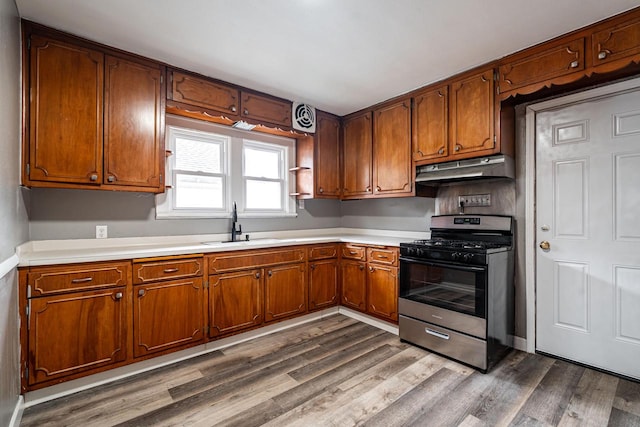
(340, 372)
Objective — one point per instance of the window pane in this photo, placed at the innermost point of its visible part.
(194, 191)
(263, 194)
(261, 163)
(198, 156)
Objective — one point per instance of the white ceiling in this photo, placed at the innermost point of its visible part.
(338, 55)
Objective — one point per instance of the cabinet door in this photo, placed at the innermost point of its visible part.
(133, 128)
(167, 315)
(383, 292)
(541, 68)
(65, 112)
(204, 93)
(76, 332)
(262, 109)
(357, 156)
(327, 164)
(392, 167)
(619, 42)
(323, 284)
(285, 291)
(472, 115)
(431, 124)
(235, 301)
(354, 285)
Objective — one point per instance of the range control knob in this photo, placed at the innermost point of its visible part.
(467, 257)
(456, 256)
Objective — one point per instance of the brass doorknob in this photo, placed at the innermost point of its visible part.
(545, 246)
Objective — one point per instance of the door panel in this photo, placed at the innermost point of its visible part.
(235, 301)
(588, 199)
(285, 291)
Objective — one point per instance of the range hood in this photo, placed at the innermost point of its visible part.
(499, 166)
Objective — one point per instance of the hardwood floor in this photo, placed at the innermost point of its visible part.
(340, 372)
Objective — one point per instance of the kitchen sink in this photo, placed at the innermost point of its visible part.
(242, 242)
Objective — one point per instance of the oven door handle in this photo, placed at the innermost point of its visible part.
(444, 265)
(437, 334)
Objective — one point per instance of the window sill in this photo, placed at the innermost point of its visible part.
(163, 215)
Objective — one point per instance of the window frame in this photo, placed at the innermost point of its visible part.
(234, 183)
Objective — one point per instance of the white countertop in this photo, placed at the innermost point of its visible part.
(48, 252)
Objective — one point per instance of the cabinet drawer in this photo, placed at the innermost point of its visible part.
(243, 260)
(619, 42)
(144, 272)
(383, 256)
(55, 280)
(354, 252)
(325, 251)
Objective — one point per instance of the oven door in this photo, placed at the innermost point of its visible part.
(456, 287)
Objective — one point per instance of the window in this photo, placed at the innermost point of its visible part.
(211, 166)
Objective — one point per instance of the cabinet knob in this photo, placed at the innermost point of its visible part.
(233, 108)
(378, 189)
(245, 112)
(362, 267)
(602, 54)
(111, 178)
(93, 177)
(320, 190)
(257, 275)
(312, 266)
(368, 189)
(441, 151)
(371, 269)
(269, 273)
(118, 295)
(141, 293)
(457, 148)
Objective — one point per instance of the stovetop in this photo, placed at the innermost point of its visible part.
(458, 244)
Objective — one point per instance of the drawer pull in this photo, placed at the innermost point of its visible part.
(383, 257)
(436, 334)
(171, 270)
(352, 252)
(83, 280)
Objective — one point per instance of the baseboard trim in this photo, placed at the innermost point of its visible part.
(16, 418)
(520, 343)
(389, 327)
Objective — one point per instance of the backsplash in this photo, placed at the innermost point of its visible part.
(502, 191)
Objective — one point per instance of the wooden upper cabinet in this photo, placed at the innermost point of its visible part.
(327, 153)
(65, 113)
(431, 124)
(263, 109)
(357, 156)
(392, 168)
(543, 67)
(201, 92)
(472, 115)
(619, 42)
(133, 125)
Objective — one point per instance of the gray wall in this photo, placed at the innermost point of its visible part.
(404, 214)
(73, 214)
(13, 218)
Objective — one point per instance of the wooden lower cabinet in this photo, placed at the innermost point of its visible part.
(323, 284)
(285, 290)
(75, 333)
(235, 301)
(168, 315)
(383, 292)
(354, 284)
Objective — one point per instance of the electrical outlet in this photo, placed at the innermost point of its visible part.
(471, 200)
(101, 231)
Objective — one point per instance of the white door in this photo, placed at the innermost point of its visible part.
(588, 210)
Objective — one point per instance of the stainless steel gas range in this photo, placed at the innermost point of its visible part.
(456, 289)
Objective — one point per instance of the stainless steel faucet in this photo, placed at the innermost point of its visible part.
(236, 229)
